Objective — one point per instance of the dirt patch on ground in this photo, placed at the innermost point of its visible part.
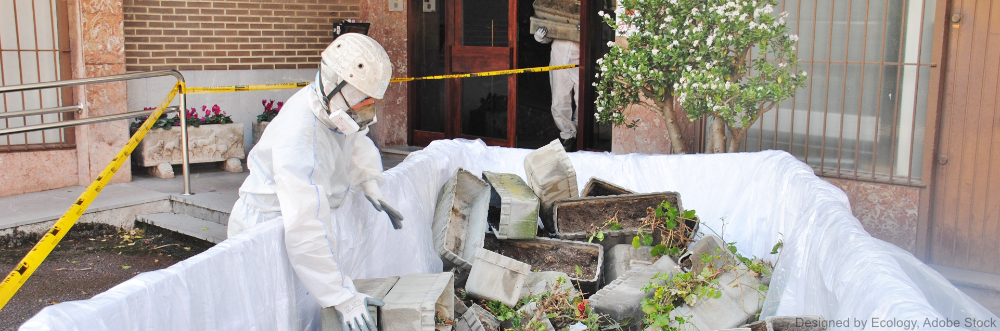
(91, 259)
(544, 256)
(589, 215)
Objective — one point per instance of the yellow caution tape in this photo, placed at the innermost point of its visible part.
(244, 88)
(488, 73)
(264, 87)
(50, 239)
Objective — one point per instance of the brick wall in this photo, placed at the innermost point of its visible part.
(230, 35)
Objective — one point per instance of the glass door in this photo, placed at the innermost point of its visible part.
(483, 38)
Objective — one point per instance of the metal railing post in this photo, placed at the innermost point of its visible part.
(184, 140)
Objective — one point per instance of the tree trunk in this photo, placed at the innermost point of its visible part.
(737, 134)
(666, 110)
(717, 135)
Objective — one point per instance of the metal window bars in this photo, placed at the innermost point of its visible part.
(92, 120)
(862, 114)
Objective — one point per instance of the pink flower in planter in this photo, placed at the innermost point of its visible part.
(216, 109)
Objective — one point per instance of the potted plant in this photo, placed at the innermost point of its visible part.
(212, 138)
(270, 111)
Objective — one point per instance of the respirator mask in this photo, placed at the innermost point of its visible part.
(356, 117)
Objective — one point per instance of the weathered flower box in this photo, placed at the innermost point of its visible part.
(206, 143)
(258, 131)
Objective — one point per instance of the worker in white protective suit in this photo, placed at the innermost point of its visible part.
(565, 85)
(309, 158)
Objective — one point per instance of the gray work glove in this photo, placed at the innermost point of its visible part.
(540, 35)
(354, 314)
(374, 195)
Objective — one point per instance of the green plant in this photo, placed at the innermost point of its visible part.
(270, 111)
(730, 61)
(562, 308)
(671, 224)
(611, 224)
(214, 115)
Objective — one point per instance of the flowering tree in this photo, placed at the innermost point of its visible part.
(728, 60)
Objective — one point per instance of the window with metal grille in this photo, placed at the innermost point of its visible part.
(863, 112)
(34, 47)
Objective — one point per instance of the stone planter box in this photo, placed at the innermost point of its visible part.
(258, 131)
(546, 254)
(460, 224)
(496, 277)
(513, 207)
(630, 209)
(207, 143)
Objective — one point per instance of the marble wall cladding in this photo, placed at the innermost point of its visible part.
(389, 29)
(650, 134)
(888, 212)
(104, 39)
(26, 172)
(104, 140)
(102, 6)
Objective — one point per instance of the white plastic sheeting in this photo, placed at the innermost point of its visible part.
(829, 265)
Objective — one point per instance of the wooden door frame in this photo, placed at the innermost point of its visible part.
(933, 130)
(453, 124)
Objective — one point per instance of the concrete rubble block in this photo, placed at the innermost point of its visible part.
(496, 277)
(788, 323)
(545, 254)
(231, 165)
(460, 307)
(419, 302)
(545, 281)
(486, 318)
(530, 312)
(162, 170)
(627, 208)
(741, 297)
(459, 224)
(552, 177)
(622, 299)
(516, 205)
(621, 258)
(374, 287)
(469, 321)
(597, 187)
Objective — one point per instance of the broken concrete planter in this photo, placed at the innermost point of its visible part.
(496, 277)
(741, 298)
(601, 209)
(417, 301)
(207, 143)
(517, 206)
(460, 220)
(376, 288)
(541, 252)
(622, 258)
(552, 177)
(258, 131)
(597, 187)
(622, 299)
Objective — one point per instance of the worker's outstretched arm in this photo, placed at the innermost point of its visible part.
(366, 167)
(305, 209)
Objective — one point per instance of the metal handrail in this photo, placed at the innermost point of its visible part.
(83, 121)
(42, 111)
(185, 166)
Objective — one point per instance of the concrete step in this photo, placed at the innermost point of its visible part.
(980, 286)
(198, 228)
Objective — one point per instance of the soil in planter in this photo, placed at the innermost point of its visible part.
(91, 259)
(546, 257)
(590, 215)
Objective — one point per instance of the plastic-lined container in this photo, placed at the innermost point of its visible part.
(496, 277)
(597, 187)
(544, 254)
(552, 177)
(513, 205)
(577, 219)
(459, 224)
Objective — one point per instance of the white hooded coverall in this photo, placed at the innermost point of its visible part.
(565, 85)
(299, 171)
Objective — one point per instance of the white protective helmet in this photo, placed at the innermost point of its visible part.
(360, 61)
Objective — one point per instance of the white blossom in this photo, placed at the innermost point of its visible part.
(655, 51)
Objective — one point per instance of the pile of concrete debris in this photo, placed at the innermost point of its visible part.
(499, 256)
